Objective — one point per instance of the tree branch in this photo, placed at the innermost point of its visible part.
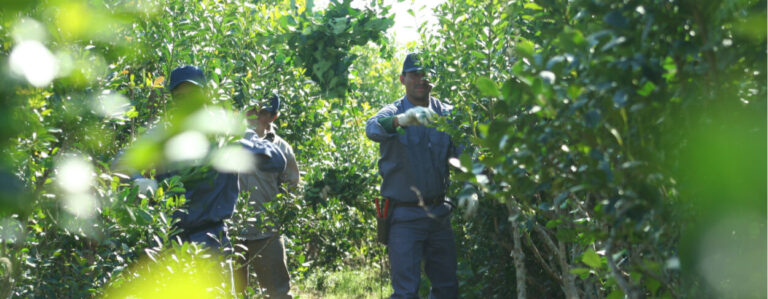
(541, 260)
(620, 280)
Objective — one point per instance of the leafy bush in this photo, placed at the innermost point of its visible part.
(59, 244)
(587, 142)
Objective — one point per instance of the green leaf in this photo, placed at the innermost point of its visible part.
(574, 91)
(533, 6)
(554, 223)
(570, 39)
(652, 284)
(515, 93)
(487, 87)
(647, 88)
(592, 259)
(583, 273)
(616, 294)
(525, 48)
(579, 271)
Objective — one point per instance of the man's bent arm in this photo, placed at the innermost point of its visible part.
(291, 173)
(381, 127)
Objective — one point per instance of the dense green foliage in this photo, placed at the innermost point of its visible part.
(242, 48)
(591, 143)
(323, 42)
(616, 148)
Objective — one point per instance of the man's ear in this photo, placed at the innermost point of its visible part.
(402, 79)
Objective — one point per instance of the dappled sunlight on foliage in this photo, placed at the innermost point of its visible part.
(606, 139)
(94, 110)
(181, 271)
(612, 148)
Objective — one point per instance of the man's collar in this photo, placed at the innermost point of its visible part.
(408, 105)
(270, 129)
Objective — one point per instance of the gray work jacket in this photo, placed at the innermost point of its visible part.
(264, 186)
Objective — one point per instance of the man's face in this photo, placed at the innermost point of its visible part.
(417, 86)
(259, 117)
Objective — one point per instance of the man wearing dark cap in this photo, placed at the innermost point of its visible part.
(414, 170)
(265, 245)
(186, 76)
(212, 197)
(210, 194)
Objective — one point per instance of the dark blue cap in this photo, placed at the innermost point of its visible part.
(270, 103)
(412, 64)
(186, 73)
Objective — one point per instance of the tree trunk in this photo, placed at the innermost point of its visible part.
(519, 257)
(569, 283)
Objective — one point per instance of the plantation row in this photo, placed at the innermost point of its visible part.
(613, 148)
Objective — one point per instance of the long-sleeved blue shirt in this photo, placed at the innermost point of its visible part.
(212, 198)
(413, 163)
(209, 200)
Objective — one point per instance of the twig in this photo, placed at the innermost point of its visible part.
(559, 251)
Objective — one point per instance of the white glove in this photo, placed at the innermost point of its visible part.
(416, 116)
(145, 185)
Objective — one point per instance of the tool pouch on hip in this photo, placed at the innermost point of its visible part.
(383, 219)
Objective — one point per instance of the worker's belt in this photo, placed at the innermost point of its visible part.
(433, 201)
(384, 208)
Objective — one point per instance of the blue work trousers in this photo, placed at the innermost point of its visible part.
(427, 239)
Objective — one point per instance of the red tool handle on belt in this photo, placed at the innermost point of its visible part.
(380, 209)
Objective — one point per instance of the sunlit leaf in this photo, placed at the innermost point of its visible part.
(487, 87)
(525, 48)
(591, 259)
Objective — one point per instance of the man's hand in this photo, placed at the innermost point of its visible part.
(416, 116)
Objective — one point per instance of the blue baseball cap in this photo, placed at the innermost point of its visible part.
(186, 73)
(412, 64)
(269, 103)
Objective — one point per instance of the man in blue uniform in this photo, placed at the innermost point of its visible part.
(414, 169)
(210, 194)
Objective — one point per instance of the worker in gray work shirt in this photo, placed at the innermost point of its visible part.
(414, 169)
(266, 248)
